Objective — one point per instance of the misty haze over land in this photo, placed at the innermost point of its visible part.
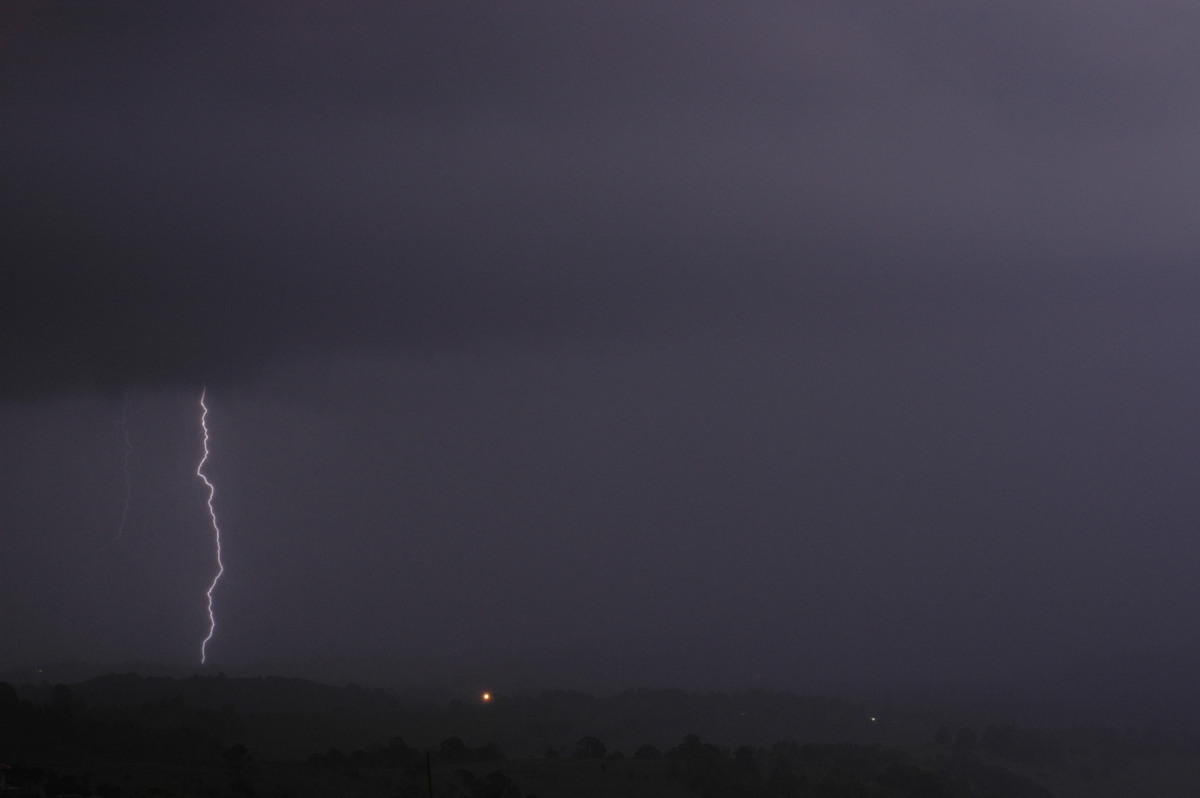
(805, 346)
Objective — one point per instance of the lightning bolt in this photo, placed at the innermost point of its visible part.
(212, 514)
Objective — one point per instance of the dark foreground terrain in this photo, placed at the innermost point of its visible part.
(129, 735)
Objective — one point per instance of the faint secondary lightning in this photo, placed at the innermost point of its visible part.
(212, 514)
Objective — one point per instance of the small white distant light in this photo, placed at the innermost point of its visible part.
(873, 720)
(486, 698)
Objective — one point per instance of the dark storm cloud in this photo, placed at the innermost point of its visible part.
(193, 192)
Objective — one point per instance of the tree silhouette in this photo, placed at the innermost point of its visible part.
(589, 748)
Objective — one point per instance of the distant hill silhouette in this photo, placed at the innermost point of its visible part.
(257, 694)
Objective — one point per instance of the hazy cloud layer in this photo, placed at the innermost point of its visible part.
(194, 192)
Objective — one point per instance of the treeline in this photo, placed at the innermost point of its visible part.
(397, 754)
(790, 770)
(65, 728)
(200, 723)
(55, 745)
(782, 770)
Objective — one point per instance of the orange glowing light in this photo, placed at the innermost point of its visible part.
(487, 697)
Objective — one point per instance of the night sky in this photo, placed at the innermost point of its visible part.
(796, 344)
